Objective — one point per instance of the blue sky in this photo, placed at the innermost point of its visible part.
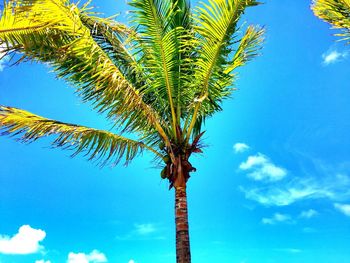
(272, 186)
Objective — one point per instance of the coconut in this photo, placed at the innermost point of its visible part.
(166, 159)
(163, 173)
(161, 145)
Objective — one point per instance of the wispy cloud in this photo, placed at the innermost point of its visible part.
(308, 213)
(344, 208)
(333, 56)
(277, 218)
(262, 168)
(42, 261)
(131, 261)
(240, 147)
(26, 241)
(298, 188)
(94, 257)
(145, 229)
(142, 231)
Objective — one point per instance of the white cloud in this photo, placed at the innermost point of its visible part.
(263, 168)
(333, 56)
(276, 218)
(144, 229)
(26, 241)
(42, 261)
(344, 208)
(297, 189)
(240, 147)
(268, 171)
(3, 58)
(253, 161)
(131, 261)
(308, 213)
(94, 257)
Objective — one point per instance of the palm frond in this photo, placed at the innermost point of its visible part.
(102, 146)
(182, 14)
(116, 40)
(335, 12)
(52, 31)
(159, 43)
(182, 23)
(216, 24)
(248, 48)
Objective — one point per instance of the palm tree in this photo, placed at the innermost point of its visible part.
(157, 80)
(335, 12)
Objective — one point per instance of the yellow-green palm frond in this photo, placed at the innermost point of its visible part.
(52, 31)
(335, 12)
(117, 41)
(248, 48)
(216, 25)
(102, 146)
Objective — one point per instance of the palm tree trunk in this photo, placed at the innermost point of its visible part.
(183, 254)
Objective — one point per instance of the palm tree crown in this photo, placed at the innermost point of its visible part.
(157, 80)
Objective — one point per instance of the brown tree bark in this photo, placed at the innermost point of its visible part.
(183, 254)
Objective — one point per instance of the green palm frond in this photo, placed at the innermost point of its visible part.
(52, 31)
(102, 146)
(161, 26)
(216, 25)
(186, 44)
(335, 12)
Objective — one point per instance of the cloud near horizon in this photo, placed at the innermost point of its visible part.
(262, 168)
(94, 257)
(26, 241)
